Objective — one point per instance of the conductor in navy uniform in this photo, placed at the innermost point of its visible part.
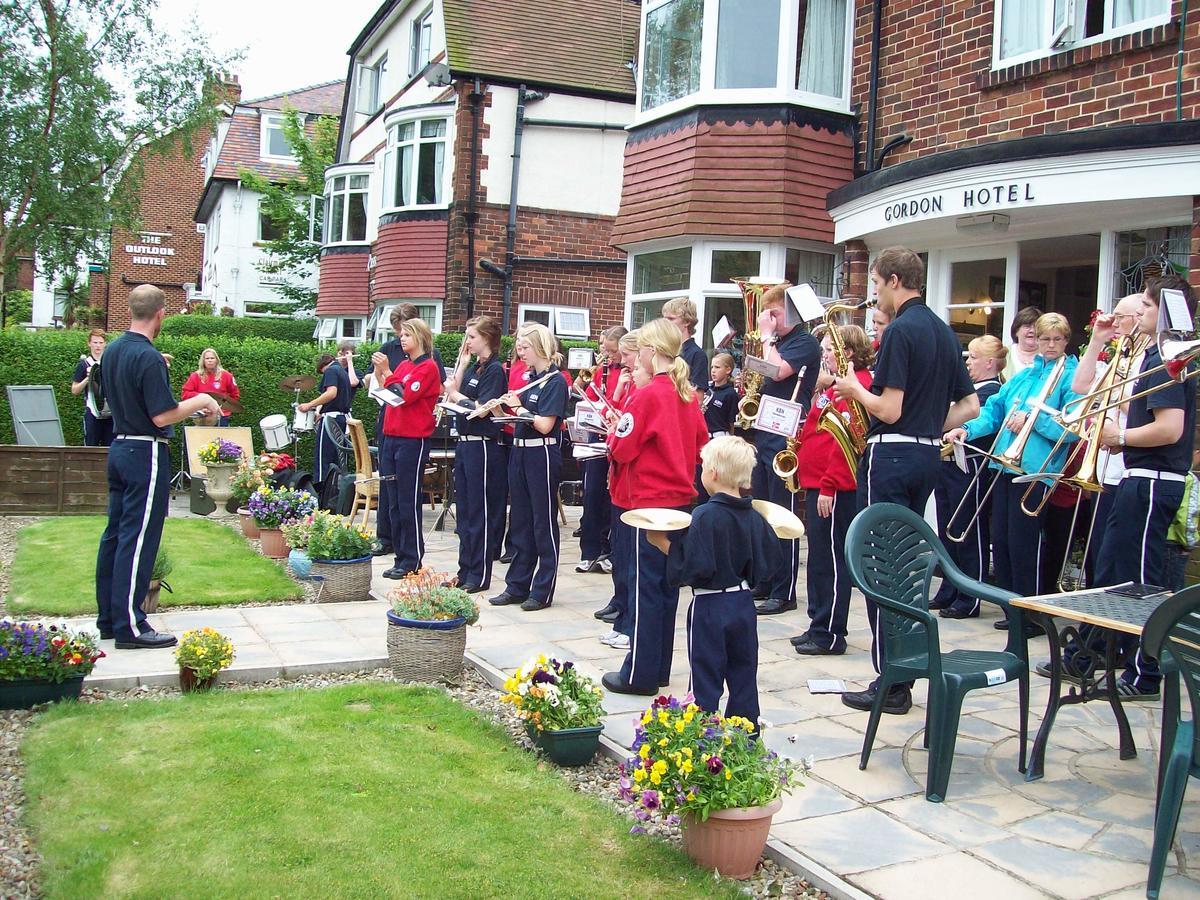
(144, 412)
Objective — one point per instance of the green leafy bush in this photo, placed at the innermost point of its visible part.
(18, 307)
(335, 538)
(422, 597)
(298, 330)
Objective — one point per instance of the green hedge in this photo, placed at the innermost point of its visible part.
(297, 330)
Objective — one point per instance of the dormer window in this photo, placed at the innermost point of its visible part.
(273, 142)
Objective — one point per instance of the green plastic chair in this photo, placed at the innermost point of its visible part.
(1172, 636)
(893, 555)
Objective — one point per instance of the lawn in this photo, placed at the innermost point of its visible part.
(362, 790)
(54, 570)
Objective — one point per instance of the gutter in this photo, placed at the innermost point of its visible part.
(873, 91)
(473, 201)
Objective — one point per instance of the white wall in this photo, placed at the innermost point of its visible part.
(231, 277)
(572, 169)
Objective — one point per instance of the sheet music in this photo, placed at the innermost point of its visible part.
(804, 301)
(722, 332)
(1176, 318)
(386, 396)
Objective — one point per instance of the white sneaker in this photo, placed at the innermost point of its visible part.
(620, 642)
(605, 565)
(605, 638)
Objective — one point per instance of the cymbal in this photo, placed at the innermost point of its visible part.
(298, 383)
(656, 519)
(782, 520)
(227, 403)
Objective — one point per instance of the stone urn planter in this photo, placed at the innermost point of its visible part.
(218, 482)
(567, 747)
(272, 543)
(426, 651)
(249, 526)
(730, 840)
(27, 692)
(343, 580)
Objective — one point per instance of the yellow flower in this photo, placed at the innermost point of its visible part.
(662, 742)
(655, 778)
(679, 726)
(659, 767)
(646, 717)
(686, 767)
(728, 774)
(662, 717)
(644, 751)
(689, 715)
(639, 774)
(687, 751)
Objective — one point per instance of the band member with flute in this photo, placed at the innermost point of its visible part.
(971, 551)
(406, 430)
(831, 501)
(920, 389)
(655, 447)
(797, 355)
(478, 460)
(1157, 443)
(533, 474)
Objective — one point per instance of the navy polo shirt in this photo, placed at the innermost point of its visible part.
(482, 382)
(799, 350)
(336, 376)
(920, 356)
(136, 386)
(721, 408)
(547, 399)
(1176, 457)
(697, 362)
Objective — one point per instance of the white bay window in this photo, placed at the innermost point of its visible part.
(416, 164)
(344, 207)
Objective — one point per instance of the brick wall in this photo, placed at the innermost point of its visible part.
(936, 82)
(171, 183)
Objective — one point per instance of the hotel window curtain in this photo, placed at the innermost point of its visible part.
(1022, 23)
(823, 49)
(1126, 12)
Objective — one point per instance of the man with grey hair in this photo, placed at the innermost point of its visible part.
(144, 412)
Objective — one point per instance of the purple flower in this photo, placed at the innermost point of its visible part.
(715, 765)
(637, 829)
(641, 815)
(672, 819)
(651, 800)
(541, 676)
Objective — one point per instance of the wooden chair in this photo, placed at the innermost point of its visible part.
(366, 478)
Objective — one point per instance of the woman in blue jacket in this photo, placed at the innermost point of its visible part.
(1016, 536)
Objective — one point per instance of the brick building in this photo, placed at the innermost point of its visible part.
(440, 100)
(1038, 153)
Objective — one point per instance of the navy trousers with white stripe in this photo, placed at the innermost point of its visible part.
(478, 507)
(594, 536)
(325, 452)
(139, 483)
(1135, 547)
(1016, 537)
(723, 650)
(655, 601)
(905, 474)
(533, 474)
(500, 526)
(973, 553)
(405, 458)
(828, 579)
(623, 538)
(766, 485)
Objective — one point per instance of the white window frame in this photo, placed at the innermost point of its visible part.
(380, 323)
(420, 41)
(331, 191)
(1060, 39)
(315, 227)
(416, 117)
(787, 61)
(359, 330)
(267, 122)
(325, 329)
(555, 315)
(369, 81)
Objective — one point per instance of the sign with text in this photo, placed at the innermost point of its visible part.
(151, 251)
(780, 417)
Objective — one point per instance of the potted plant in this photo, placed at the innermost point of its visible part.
(561, 709)
(220, 458)
(713, 776)
(296, 536)
(247, 479)
(202, 653)
(427, 627)
(158, 575)
(341, 557)
(42, 663)
(274, 507)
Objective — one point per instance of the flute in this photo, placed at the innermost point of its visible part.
(494, 404)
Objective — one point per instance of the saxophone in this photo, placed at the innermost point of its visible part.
(849, 431)
(752, 292)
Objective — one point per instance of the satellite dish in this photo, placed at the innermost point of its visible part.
(437, 75)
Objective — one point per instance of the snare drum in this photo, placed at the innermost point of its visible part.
(303, 422)
(276, 436)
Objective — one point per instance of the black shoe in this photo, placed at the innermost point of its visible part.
(950, 612)
(470, 588)
(396, 572)
(149, 640)
(1000, 624)
(106, 635)
(775, 607)
(812, 648)
(613, 682)
(505, 599)
(578, 532)
(897, 703)
(609, 609)
(611, 618)
(383, 550)
(801, 638)
(531, 605)
(940, 603)
(506, 558)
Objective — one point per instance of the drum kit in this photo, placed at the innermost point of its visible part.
(277, 434)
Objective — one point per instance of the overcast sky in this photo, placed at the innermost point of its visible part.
(286, 45)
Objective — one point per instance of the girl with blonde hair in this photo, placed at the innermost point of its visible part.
(655, 447)
(211, 377)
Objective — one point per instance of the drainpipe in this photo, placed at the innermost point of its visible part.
(523, 96)
(873, 91)
(1179, 69)
(473, 201)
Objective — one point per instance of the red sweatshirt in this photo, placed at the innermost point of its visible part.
(656, 447)
(221, 383)
(413, 419)
(822, 465)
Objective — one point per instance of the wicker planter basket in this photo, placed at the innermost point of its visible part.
(342, 579)
(426, 651)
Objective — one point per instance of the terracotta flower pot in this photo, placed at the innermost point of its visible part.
(730, 840)
(189, 683)
(249, 526)
(273, 545)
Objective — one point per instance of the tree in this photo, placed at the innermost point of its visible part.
(288, 203)
(84, 84)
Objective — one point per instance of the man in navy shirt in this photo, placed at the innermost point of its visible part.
(1157, 445)
(920, 391)
(139, 471)
(334, 400)
(681, 312)
(798, 356)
